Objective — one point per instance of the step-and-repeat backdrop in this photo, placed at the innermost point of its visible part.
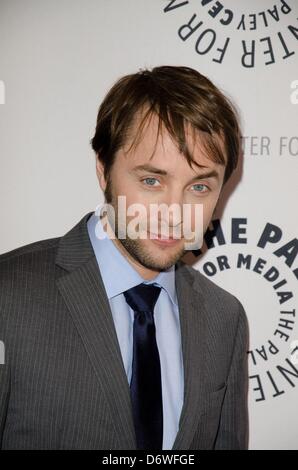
(57, 60)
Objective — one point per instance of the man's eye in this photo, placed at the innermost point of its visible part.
(149, 181)
(201, 188)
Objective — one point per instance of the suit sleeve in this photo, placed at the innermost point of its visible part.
(233, 428)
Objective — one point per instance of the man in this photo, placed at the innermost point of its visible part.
(112, 342)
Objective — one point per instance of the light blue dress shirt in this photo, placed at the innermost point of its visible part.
(118, 275)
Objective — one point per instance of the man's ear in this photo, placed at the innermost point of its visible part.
(100, 174)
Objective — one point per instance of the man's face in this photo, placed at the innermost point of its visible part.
(179, 184)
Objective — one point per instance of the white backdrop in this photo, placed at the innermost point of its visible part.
(58, 59)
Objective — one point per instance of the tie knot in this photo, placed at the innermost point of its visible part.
(142, 297)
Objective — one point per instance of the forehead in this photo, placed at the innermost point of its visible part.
(148, 143)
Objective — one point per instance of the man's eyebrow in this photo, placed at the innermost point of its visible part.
(205, 175)
(150, 168)
(159, 171)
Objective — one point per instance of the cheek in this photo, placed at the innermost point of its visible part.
(134, 197)
(129, 189)
(207, 208)
(133, 207)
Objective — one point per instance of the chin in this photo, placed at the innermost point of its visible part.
(163, 262)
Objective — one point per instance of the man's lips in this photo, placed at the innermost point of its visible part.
(161, 237)
(165, 240)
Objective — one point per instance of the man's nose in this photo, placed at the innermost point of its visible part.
(173, 201)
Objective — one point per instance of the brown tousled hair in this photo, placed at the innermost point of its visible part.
(180, 96)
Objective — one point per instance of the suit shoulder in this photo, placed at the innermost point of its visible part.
(220, 297)
(23, 254)
(224, 309)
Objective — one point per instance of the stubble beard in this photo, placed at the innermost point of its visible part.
(135, 247)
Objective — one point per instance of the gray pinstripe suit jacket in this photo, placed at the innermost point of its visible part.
(63, 384)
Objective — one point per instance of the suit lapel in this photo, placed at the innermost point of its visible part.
(193, 325)
(83, 291)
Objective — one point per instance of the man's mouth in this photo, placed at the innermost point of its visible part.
(162, 239)
(161, 236)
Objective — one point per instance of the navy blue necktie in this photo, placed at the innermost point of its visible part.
(145, 386)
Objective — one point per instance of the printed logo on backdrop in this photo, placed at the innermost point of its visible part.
(219, 29)
(263, 274)
(269, 146)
